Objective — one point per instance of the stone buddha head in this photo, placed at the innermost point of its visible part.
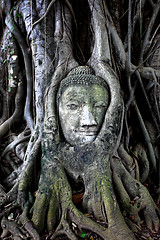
(82, 100)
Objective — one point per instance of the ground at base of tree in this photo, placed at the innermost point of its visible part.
(142, 234)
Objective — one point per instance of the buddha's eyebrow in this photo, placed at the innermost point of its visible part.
(71, 94)
(74, 96)
(71, 99)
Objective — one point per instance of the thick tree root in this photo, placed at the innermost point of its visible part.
(27, 175)
(70, 214)
(27, 224)
(59, 196)
(134, 197)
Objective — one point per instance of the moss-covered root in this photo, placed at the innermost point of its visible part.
(70, 214)
(134, 197)
(56, 205)
(53, 205)
(117, 229)
(100, 200)
(45, 211)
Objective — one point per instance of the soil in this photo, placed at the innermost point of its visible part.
(142, 234)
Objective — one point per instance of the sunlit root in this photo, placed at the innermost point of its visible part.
(134, 197)
(70, 214)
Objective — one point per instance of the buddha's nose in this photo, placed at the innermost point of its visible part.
(87, 118)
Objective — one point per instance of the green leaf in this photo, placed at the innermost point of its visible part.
(7, 33)
(83, 235)
(9, 77)
(10, 20)
(11, 10)
(5, 61)
(9, 89)
(18, 15)
(12, 28)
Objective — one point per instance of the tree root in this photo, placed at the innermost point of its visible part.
(70, 214)
(10, 196)
(64, 228)
(141, 155)
(41, 18)
(31, 230)
(11, 147)
(8, 209)
(16, 229)
(13, 177)
(13, 228)
(10, 161)
(126, 159)
(57, 195)
(27, 174)
(146, 42)
(26, 53)
(146, 137)
(27, 224)
(147, 100)
(134, 197)
(23, 137)
(4, 128)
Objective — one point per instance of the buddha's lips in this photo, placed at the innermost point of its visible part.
(87, 133)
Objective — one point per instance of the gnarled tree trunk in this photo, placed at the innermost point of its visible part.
(42, 44)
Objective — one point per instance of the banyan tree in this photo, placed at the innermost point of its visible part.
(79, 118)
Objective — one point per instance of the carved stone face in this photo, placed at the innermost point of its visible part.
(81, 112)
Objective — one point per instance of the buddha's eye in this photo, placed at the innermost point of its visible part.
(100, 105)
(72, 106)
